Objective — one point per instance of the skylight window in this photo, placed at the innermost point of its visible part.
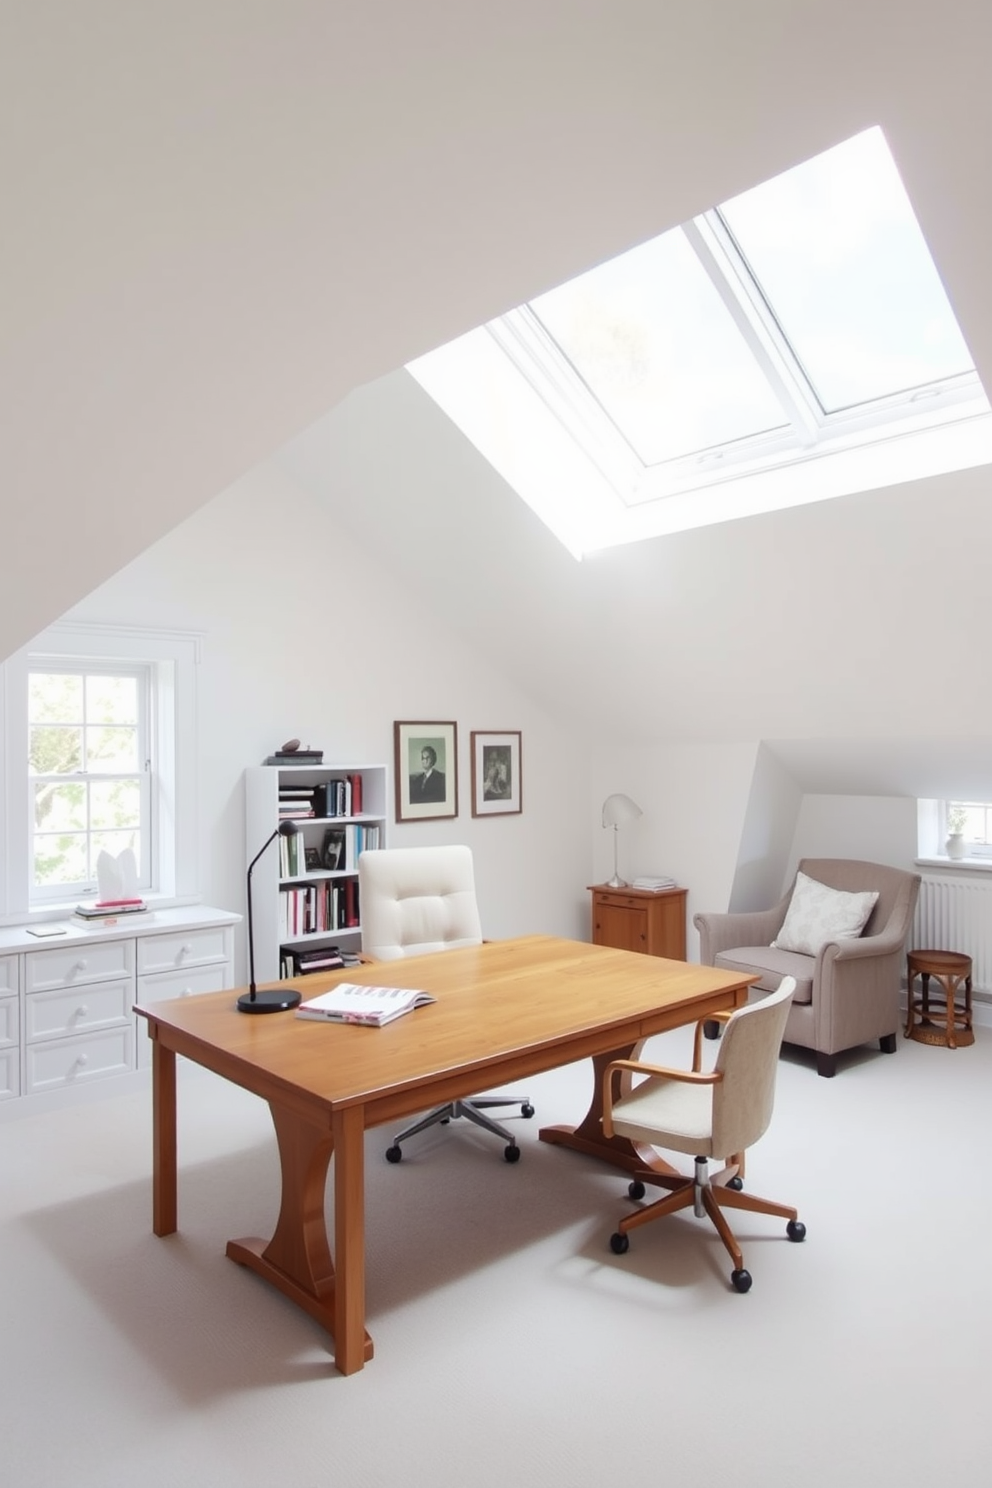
(792, 344)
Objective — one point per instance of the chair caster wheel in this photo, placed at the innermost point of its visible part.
(736, 1184)
(527, 1109)
(795, 1229)
(635, 1190)
(619, 1244)
(394, 1153)
(444, 1121)
(512, 1153)
(741, 1280)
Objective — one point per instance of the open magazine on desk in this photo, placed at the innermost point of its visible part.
(373, 1006)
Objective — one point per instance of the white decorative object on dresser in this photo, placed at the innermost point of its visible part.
(67, 996)
(309, 901)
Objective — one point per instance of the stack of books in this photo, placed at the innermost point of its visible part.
(295, 757)
(103, 912)
(653, 882)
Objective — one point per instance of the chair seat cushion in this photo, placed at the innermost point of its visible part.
(668, 1113)
(771, 965)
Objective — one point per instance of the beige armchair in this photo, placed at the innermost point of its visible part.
(847, 994)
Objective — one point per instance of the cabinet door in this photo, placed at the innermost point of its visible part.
(623, 926)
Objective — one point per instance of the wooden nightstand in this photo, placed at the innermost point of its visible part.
(639, 920)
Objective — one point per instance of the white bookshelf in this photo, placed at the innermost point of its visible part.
(262, 792)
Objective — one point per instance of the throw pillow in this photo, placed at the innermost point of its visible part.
(818, 914)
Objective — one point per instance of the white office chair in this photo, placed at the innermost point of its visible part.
(415, 900)
(719, 1114)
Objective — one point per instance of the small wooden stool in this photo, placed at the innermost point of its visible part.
(950, 969)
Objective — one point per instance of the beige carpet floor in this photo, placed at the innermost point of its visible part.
(512, 1348)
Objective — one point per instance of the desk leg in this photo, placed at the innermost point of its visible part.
(164, 1200)
(297, 1260)
(587, 1137)
(352, 1344)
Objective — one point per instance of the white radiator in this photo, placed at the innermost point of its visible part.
(955, 914)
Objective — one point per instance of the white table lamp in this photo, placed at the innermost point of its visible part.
(617, 810)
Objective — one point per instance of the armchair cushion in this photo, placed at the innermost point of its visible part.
(818, 914)
(771, 965)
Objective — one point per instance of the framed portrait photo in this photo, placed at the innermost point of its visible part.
(496, 773)
(426, 770)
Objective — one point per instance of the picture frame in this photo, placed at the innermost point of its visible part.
(425, 770)
(334, 850)
(496, 777)
(314, 862)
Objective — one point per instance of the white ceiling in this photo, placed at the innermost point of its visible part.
(221, 218)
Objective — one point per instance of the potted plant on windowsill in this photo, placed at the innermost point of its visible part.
(955, 844)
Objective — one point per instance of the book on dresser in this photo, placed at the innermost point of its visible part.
(372, 1006)
(305, 889)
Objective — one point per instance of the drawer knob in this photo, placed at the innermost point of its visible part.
(186, 950)
(82, 1010)
(81, 964)
(82, 1059)
(186, 992)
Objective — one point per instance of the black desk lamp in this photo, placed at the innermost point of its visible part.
(281, 999)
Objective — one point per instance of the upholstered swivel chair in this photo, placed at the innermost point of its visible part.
(716, 1114)
(847, 992)
(415, 900)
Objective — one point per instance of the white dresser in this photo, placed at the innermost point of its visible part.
(67, 1002)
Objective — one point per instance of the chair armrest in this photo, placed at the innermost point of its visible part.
(723, 932)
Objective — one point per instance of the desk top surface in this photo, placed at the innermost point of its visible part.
(493, 1001)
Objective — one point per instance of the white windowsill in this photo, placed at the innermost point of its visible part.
(957, 865)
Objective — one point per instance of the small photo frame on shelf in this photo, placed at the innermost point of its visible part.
(313, 859)
(426, 770)
(496, 773)
(334, 849)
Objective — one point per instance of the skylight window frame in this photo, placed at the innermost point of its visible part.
(808, 430)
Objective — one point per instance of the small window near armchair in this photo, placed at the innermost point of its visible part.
(972, 820)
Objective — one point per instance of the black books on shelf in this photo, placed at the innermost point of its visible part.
(313, 959)
(371, 1006)
(295, 757)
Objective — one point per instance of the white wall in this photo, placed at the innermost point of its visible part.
(773, 809)
(305, 635)
(882, 829)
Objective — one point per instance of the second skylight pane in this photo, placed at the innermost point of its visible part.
(650, 337)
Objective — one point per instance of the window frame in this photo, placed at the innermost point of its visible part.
(172, 659)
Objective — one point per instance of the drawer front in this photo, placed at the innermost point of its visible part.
(8, 1021)
(184, 948)
(175, 984)
(73, 966)
(59, 1064)
(8, 976)
(10, 1082)
(81, 1009)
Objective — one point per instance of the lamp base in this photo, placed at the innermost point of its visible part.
(616, 882)
(270, 1002)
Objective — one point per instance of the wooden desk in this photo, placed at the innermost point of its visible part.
(504, 1010)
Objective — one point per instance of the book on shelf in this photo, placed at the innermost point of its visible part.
(371, 1006)
(295, 757)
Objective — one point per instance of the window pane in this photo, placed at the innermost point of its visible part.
(840, 256)
(111, 699)
(115, 803)
(60, 808)
(653, 341)
(59, 859)
(55, 698)
(111, 749)
(55, 751)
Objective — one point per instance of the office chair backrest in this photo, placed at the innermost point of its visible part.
(417, 899)
(748, 1058)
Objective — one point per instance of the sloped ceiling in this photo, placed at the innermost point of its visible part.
(222, 217)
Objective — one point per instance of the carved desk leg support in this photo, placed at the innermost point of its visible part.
(297, 1260)
(587, 1137)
